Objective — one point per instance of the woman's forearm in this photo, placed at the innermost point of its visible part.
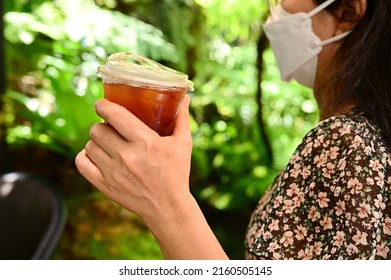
(188, 236)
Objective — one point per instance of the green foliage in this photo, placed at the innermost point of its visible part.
(100, 229)
(56, 87)
(55, 47)
(230, 167)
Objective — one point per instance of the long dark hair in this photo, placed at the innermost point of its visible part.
(363, 64)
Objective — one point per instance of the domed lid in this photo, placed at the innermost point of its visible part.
(139, 71)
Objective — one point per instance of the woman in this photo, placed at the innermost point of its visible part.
(332, 201)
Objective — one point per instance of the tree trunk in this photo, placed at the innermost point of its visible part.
(262, 44)
(3, 157)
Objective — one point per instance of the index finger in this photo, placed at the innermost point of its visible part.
(124, 122)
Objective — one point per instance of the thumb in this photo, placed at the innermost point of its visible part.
(182, 125)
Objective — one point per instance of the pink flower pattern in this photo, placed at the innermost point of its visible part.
(333, 199)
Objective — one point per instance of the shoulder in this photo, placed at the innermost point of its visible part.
(344, 128)
(342, 136)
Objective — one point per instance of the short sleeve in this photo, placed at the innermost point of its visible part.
(332, 201)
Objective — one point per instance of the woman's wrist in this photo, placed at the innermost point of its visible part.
(178, 211)
(183, 233)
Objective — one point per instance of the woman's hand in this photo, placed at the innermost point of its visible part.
(135, 167)
(149, 175)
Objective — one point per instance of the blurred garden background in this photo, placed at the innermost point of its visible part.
(245, 122)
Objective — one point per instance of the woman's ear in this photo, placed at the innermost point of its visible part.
(349, 14)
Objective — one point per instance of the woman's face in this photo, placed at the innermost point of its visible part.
(295, 6)
(324, 25)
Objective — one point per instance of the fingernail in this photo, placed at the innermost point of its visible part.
(187, 100)
(97, 103)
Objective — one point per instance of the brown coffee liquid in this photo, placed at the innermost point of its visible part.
(156, 108)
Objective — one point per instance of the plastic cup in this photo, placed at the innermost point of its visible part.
(151, 91)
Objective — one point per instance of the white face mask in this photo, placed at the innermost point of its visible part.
(295, 45)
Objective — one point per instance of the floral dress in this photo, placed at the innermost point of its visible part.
(332, 201)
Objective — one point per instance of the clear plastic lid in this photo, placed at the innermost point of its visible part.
(139, 71)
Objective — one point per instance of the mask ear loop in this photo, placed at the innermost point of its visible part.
(320, 8)
(335, 38)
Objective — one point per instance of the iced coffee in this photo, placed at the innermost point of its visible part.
(151, 91)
